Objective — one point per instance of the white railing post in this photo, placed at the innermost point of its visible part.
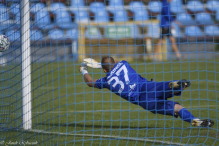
(26, 64)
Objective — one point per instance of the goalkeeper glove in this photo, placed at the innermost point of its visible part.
(83, 69)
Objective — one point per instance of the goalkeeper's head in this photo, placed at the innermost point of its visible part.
(107, 63)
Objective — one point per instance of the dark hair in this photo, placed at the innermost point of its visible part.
(107, 63)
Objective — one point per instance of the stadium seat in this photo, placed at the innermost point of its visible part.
(57, 7)
(93, 33)
(193, 31)
(82, 17)
(72, 34)
(36, 7)
(13, 35)
(155, 6)
(212, 5)
(217, 15)
(115, 5)
(176, 6)
(203, 18)
(76, 5)
(140, 13)
(100, 13)
(153, 30)
(185, 19)
(15, 8)
(195, 6)
(4, 17)
(56, 34)
(42, 20)
(97, 6)
(120, 16)
(176, 30)
(36, 35)
(212, 30)
(63, 18)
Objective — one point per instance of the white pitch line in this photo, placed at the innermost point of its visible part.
(91, 111)
(107, 136)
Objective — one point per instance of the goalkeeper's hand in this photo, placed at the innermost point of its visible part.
(83, 69)
(92, 63)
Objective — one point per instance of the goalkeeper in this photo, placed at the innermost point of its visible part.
(123, 80)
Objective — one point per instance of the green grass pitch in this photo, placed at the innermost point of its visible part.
(63, 103)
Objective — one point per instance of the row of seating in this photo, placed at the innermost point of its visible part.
(153, 31)
(64, 21)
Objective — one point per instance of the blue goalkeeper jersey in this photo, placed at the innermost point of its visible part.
(123, 81)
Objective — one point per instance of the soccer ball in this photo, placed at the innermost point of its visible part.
(4, 43)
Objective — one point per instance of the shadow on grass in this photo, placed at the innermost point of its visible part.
(85, 125)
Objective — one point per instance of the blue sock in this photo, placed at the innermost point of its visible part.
(185, 115)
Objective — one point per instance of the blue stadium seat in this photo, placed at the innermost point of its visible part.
(100, 13)
(93, 33)
(212, 30)
(81, 17)
(63, 18)
(56, 34)
(97, 6)
(134, 6)
(195, 6)
(176, 6)
(42, 20)
(57, 7)
(120, 16)
(36, 7)
(176, 30)
(15, 8)
(193, 31)
(76, 5)
(4, 17)
(217, 15)
(140, 13)
(115, 5)
(155, 6)
(185, 19)
(72, 34)
(204, 18)
(36, 35)
(212, 5)
(13, 35)
(153, 30)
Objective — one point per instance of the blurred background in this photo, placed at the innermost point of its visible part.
(74, 29)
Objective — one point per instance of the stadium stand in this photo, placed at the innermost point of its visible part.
(195, 6)
(155, 6)
(140, 13)
(193, 31)
(76, 5)
(212, 30)
(72, 34)
(120, 16)
(212, 5)
(36, 35)
(185, 19)
(81, 17)
(204, 18)
(13, 35)
(42, 19)
(176, 6)
(15, 8)
(35, 7)
(56, 34)
(115, 5)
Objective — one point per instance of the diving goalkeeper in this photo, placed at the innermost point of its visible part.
(123, 80)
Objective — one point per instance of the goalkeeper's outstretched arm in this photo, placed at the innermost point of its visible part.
(87, 78)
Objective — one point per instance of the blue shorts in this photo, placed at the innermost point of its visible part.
(154, 95)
